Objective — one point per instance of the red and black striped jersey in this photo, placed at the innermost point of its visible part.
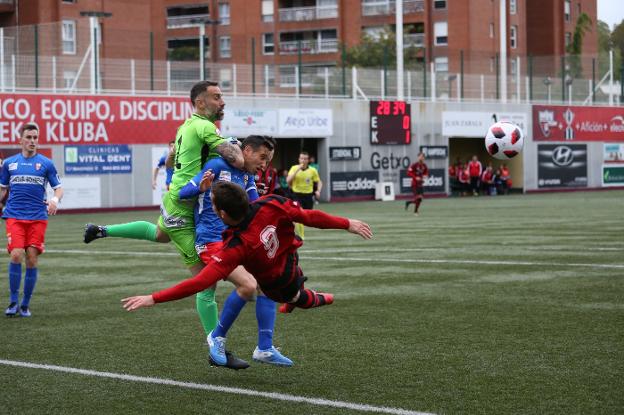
(417, 171)
(261, 243)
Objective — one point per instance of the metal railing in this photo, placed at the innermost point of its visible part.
(414, 40)
(299, 14)
(174, 22)
(32, 60)
(308, 46)
(389, 7)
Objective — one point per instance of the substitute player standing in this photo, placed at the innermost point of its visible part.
(26, 175)
(418, 172)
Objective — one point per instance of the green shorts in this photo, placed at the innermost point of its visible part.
(176, 220)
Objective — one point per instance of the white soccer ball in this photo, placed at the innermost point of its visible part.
(504, 140)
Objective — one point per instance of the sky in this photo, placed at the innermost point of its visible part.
(611, 11)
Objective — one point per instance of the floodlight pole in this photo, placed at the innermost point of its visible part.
(93, 33)
(202, 57)
(503, 50)
(399, 49)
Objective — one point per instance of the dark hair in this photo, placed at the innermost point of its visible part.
(255, 141)
(172, 142)
(199, 88)
(28, 127)
(304, 153)
(230, 198)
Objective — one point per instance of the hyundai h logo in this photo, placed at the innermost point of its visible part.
(562, 156)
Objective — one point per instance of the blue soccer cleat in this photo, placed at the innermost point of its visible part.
(11, 310)
(216, 346)
(25, 311)
(271, 356)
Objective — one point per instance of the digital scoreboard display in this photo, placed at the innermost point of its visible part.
(390, 122)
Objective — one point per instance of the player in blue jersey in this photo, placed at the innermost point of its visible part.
(162, 162)
(26, 175)
(257, 153)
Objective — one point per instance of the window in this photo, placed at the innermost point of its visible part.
(440, 64)
(578, 9)
(514, 68)
(512, 6)
(268, 44)
(513, 37)
(225, 47)
(492, 64)
(492, 30)
(566, 10)
(68, 37)
(568, 39)
(224, 13)
(69, 1)
(225, 78)
(68, 79)
(267, 10)
(186, 16)
(439, 4)
(440, 30)
(287, 76)
(327, 41)
(269, 75)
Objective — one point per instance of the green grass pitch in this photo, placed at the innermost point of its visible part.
(488, 305)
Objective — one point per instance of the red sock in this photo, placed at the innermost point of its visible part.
(311, 299)
(417, 204)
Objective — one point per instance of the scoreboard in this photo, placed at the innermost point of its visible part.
(390, 122)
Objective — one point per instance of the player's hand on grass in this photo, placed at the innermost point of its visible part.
(360, 228)
(138, 301)
(206, 181)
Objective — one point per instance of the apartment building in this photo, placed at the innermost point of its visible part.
(454, 35)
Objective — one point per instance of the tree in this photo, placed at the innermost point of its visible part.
(575, 48)
(377, 52)
(617, 41)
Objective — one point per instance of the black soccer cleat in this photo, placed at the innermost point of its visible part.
(233, 362)
(93, 232)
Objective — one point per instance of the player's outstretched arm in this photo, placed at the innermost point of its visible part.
(360, 228)
(137, 301)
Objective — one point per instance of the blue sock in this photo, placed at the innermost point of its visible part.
(265, 314)
(231, 308)
(15, 279)
(29, 285)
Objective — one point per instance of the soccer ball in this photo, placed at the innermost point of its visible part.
(504, 140)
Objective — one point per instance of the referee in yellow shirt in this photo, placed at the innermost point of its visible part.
(301, 179)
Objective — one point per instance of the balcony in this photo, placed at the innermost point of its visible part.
(190, 20)
(381, 7)
(416, 40)
(301, 14)
(7, 6)
(309, 46)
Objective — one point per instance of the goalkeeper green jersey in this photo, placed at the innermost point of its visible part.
(196, 142)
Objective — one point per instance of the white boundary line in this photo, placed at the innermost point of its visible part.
(385, 260)
(217, 388)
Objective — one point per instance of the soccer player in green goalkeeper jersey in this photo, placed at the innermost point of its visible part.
(197, 140)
